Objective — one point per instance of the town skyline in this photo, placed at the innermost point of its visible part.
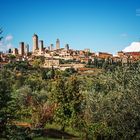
(133, 47)
(62, 58)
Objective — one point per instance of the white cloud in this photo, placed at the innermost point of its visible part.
(134, 47)
(8, 38)
(6, 43)
(124, 35)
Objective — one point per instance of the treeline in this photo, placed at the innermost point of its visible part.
(106, 63)
(101, 107)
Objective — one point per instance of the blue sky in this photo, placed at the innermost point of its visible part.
(101, 25)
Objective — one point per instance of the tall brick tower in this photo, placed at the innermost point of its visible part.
(41, 45)
(35, 43)
(22, 49)
(57, 44)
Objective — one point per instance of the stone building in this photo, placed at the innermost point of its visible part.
(57, 44)
(22, 48)
(51, 62)
(35, 43)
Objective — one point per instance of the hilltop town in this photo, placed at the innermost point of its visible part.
(65, 57)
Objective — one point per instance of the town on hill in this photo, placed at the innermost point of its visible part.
(65, 57)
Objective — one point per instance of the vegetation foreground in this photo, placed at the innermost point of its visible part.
(39, 104)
